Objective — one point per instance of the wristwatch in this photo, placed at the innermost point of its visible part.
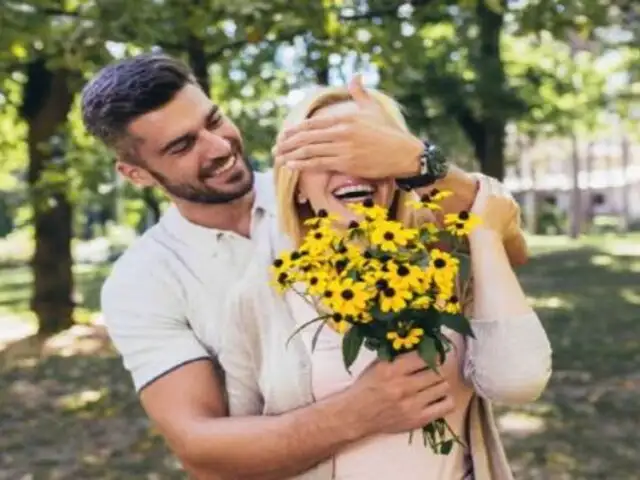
(433, 167)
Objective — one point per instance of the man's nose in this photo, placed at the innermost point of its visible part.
(216, 146)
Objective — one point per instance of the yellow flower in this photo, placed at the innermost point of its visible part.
(430, 200)
(405, 340)
(429, 232)
(406, 276)
(461, 224)
(442, 270)
(369, 211)
(283, 281)
(389, 235)
(393, 299)
(421, 302)
(318, 240)
(448, 304)
(338, 323)
(317, 281)
(350, 297)
(322, 219)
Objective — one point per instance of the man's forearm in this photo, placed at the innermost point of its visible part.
(269, 447)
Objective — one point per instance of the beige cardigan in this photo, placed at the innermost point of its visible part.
(509, 361)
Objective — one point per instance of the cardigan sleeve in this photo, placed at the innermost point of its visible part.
(238, 355)
(509, 360)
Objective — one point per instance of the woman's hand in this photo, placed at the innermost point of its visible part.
(500, 215)
(496, 207)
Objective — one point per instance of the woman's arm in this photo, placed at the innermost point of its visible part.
(510, 358)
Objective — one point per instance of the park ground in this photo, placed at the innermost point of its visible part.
(68, 410)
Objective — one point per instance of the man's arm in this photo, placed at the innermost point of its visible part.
(189, 409)
(183, 395)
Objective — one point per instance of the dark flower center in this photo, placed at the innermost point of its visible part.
(403, 271)
(353, 224)
(341, 265)
(382, 284)
(317, 235)
(389, 292)
(278, 263)
(463, 215)
(347, 294)
(368, 203)
(388, 236)
(439, 263)
(282, 278)
(322, 213)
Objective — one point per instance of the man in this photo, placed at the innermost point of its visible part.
(165, 296)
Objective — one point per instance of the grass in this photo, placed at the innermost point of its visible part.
(71, 413)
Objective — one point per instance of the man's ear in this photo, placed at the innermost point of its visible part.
(135, 174)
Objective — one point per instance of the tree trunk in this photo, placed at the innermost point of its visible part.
(486, 132)
(46, 104)
(198, 62)
(487, 139)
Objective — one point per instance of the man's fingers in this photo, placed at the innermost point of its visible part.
(310, 152)
(359, 92)
(314, 164)
(444, 406)
(316, 123)
(306, 138)
(409, 363)
(425, 380)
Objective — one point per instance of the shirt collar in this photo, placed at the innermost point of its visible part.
(201, 237)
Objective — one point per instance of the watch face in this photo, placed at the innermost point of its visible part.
(438, 165)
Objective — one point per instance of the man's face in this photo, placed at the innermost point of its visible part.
(191, 150)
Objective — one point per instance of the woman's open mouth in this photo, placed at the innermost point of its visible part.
(354, 193)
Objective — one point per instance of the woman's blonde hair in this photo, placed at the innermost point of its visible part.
(291, 214)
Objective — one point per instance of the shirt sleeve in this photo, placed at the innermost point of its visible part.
(509, 360)
(145, 315)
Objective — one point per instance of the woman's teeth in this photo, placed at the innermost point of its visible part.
(227, 165)
(354, 192)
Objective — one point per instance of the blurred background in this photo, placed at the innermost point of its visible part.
(544, 94)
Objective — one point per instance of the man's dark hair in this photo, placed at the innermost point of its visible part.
(125, 90)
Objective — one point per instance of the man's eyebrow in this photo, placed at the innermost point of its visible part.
(214, 110)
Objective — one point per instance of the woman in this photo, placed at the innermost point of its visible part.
(509, 359)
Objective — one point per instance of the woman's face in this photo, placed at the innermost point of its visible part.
(333, 191)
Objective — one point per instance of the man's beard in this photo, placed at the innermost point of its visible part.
(203, 194)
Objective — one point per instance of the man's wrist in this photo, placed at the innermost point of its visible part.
(410, 164)
(351, 425)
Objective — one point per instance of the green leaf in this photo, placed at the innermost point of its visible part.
(385, 352)
(428, 352)
(351, 343)
(445, 447)
(381, 316)
(458, 323)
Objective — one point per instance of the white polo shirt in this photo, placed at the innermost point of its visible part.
(165, 297)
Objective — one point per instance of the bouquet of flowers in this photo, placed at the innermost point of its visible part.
(385, 286)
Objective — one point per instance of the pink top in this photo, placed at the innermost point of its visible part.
(385, 456)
